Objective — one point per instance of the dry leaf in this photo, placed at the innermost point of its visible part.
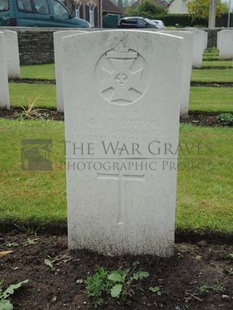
(3, 253)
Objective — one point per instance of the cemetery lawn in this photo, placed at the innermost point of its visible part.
(211, 99)
(218, 64)
(212, 76)
(38, 198)
(46, 71)
(41, 95)
(204, 99)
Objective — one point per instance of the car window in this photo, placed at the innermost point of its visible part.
(4, 5)
(41, 7)
(141, 22)
(132, 21)
(24, 6)
(60, 10)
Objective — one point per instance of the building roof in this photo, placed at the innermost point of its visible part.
(168, 2)
(110, 7)
(160, 2)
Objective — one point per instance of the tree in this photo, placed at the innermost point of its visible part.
(147, 8)
(201, 8)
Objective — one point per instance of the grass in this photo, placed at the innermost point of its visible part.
(211, 54)
(204, 198)
(35, 196)
(218, 64)
(211, 99)
(210, 58)
(204, 195)
(204, 75)
(21, 94)
(38, 72)
(214, 75)
(201, 98)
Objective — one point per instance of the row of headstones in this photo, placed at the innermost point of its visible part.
(9, 64)
(195, 42)
(9, 61)
(121, 92)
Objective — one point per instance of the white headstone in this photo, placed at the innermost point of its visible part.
(200, 41)
(57, 39)
(186, 69)
(4, 88)
(12, 54)
(122, 108)
(225, 44)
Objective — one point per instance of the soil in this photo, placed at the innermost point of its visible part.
(179, 277)
(194, 118)
(44, 81)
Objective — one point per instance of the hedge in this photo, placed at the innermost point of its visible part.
(185, 20)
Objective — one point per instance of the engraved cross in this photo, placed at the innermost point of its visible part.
(120, 178)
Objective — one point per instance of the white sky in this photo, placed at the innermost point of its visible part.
(227, 1)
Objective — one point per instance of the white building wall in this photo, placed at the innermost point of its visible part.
(178, 7)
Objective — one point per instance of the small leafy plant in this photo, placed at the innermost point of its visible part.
(30, 241)
(120, 284)
(225, 118)
(215, 287)
(5, 303)
(50, 262)
(97, 285)
(125, 284)
(155, 290)
(30, 112)
(10, 245)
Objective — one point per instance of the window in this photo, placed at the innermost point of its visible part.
(4, 5)
(141, 22)
(33, 6)
(132, 21)
(60, 10)
(41, 7)
(24, 5)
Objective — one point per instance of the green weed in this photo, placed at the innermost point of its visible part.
(225, 118)
(5, 303)
(215, 287)
(120, 284)
(50, 262)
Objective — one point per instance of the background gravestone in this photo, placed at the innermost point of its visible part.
(200, 41)
(12, 54)
(225, 44)
(122, 107)
(4, 87)
(186, 69)
(57, 39)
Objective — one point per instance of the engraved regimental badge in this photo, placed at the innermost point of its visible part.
(121, 75)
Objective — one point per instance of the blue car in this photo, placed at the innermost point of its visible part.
(38, 13)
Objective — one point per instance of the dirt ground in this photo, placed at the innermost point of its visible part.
(179, 277)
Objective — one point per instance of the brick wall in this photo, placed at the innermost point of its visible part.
(35, 44)
(36, 47)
